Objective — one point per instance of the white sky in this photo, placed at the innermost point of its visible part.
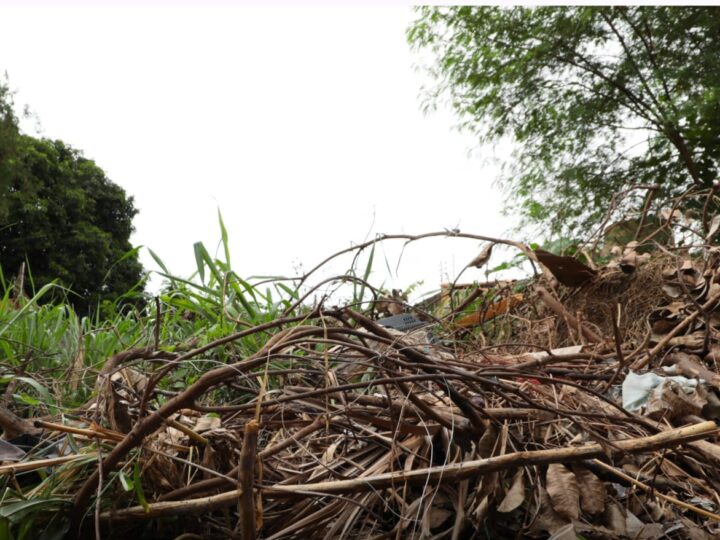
(302, 124)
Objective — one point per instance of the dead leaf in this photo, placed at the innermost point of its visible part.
(714, 227)
(673, 402)
(694, 532)
(567, 270)
(637, 529)
(565, 533)
(547, 519)
(515, 495)
(118, 410)
(673, 291)
(481, 510)
(482, 259)
(494, 310)
(329, 453)
(438, 516)
(562, 488)
(592, 490)
(487, 442)
(629, 262)
(207, 422)
(690, 366)
(615, 518)
(10, 452)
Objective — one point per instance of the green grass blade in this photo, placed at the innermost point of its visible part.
(224, 234)
(199, 261)
(130, 253)
(137, 486)
(366, 274)
(28, 305)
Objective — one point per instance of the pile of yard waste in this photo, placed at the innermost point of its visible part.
(580, 402)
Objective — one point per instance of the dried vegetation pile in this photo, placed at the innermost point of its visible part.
(578, 403)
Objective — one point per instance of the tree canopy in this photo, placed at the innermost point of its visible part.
(596, 99)
(64, 218)
(8, 147)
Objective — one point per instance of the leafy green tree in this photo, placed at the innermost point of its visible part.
(8, 147)
(66, 220)
(596, 99)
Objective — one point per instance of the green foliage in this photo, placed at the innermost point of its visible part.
(50, 357)
(37, 336)
(65, 219)
(34, 518)
(213, 303)
(596, 98)
(46, 341)
(8, 148)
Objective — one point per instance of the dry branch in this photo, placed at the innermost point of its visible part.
(436, 475)
(246, 477)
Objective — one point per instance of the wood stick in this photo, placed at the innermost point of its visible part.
(87, 432)
(187, 431)
(246, 477)
(451, 472)
(40, 463)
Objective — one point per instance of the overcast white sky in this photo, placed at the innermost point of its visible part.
(302, 124)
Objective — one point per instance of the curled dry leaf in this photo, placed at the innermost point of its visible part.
(673, 291)
(481, 509)
(567, 270)
(562, 488)
(515, 495)
(495, 309)
(482, 259)
(629, 262)
(207, 422)
(592, 490)
(714, 227)
(329, 453)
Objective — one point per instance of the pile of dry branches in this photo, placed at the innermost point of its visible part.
(510, 426)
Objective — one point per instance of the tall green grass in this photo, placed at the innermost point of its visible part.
(50, 357)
